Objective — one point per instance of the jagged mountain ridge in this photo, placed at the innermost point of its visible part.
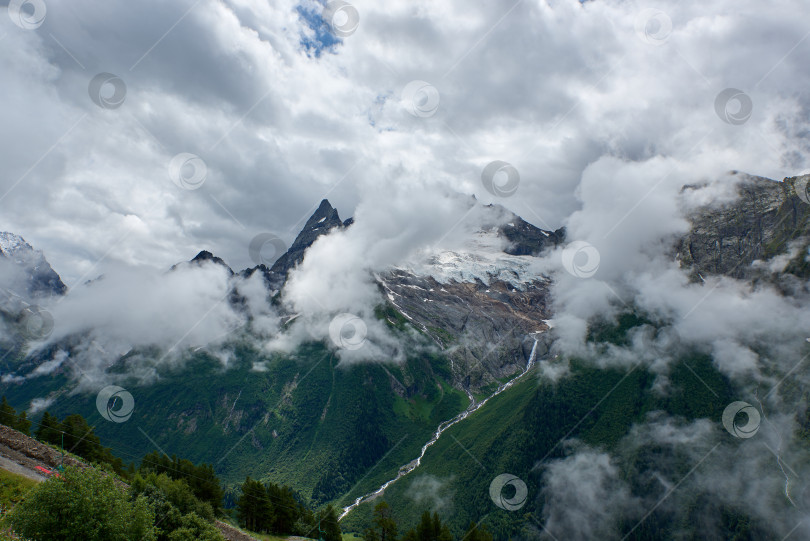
(322, 221)
(766, 221)
(480, 300)
(206, 256)
(38, 278)
(487, 295)
(481, 296)
(325, 434)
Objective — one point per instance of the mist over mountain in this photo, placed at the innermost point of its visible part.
(499, 299)
(540, 266)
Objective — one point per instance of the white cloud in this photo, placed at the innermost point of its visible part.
(603, 128)
(549, 87)
(184, 309)
(434, 493)
(39, 404)
(585, 497)
(48, 367)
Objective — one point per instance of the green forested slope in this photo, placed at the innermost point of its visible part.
(522, 429)
(303, 421)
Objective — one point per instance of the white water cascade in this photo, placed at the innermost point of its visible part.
(413, 464)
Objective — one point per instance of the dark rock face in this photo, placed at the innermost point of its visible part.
(526, 239)
(523, 237)
(486, 326)
(206, 256)
(321, 222)
(36, 277)
(484, 329)
(273, 280)
(765, 221)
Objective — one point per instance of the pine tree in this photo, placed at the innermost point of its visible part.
(23, 424)
(330, 525)
(8, 415)
(385, 525)
(425, 530)
(370, 534)
(441, 531)
(75, 436)
(81, 439)
(430, 528)
(444, 533)
(285, 508)
(49, 430)
(253, 508)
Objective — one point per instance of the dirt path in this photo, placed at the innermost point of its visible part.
(233, 534)
(13, 467)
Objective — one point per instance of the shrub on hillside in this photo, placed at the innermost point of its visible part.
(82, 504)
(179, 514)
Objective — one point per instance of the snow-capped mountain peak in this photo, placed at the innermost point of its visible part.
(11, 244)
(32, 275)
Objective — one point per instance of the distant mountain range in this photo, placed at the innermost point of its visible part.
(337, 433)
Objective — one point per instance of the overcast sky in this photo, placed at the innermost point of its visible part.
(137, 133)
(284, 110)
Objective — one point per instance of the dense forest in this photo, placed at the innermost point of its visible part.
(162, 498)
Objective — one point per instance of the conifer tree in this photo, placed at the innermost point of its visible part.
(8, 415)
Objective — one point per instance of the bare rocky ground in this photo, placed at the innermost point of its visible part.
(233, 534)
(21, 454)
(30, 453)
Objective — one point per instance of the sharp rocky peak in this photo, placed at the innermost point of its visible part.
(524, 238)
(324, 219)
(39, 279)
(325, 216)
(205, 256)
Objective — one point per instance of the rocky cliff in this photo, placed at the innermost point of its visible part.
(763, 234)
(29, 274)
(321, 222)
